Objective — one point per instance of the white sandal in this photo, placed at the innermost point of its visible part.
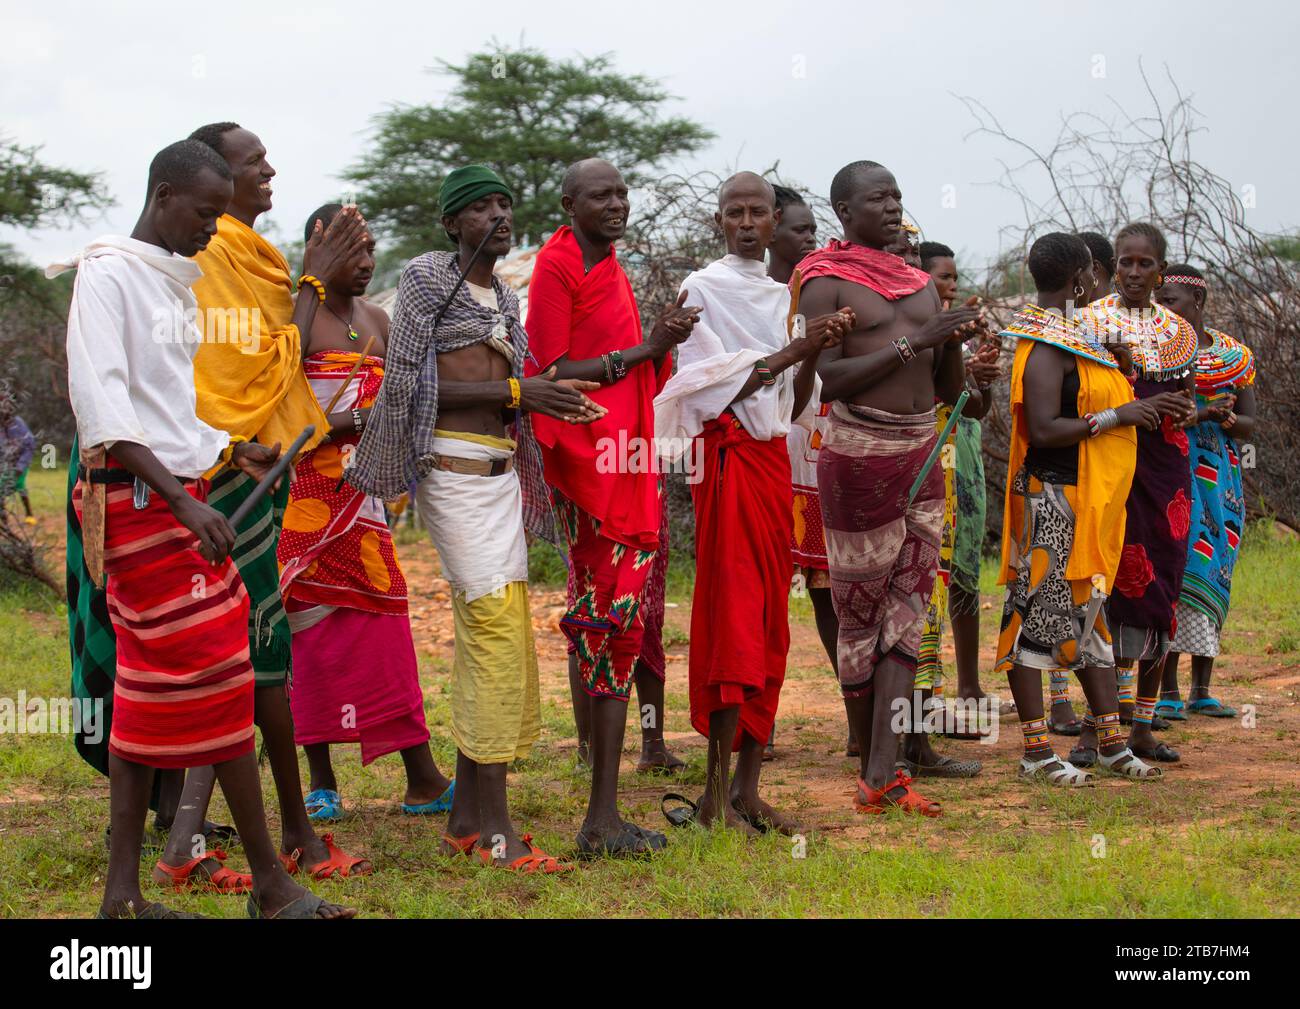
(1128, 764)
(1055, 771)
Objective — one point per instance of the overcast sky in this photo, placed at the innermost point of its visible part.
(103, 86)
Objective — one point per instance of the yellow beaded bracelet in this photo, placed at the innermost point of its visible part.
(307, 278)
(514, 393)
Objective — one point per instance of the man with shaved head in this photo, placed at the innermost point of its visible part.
(882, 533)
(742, 376)
(583, 321)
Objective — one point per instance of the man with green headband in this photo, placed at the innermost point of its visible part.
(454, 385)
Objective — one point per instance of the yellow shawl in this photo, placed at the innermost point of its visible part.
(248, 371)
(1106, 465)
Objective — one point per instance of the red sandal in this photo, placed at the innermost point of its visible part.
(911, 802)
(184, 877)
(536, 861)
(339, 861)
(460, 845)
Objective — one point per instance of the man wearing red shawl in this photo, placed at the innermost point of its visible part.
(743, 375)
(882, 541)
(583, 321)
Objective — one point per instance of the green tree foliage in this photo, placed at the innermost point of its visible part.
(529, 117)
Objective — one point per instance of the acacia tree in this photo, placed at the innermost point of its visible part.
(528, 117)
(1101, 173)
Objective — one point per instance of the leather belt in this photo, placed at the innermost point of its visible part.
(473, 467)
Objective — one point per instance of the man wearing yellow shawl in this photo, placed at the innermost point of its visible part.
(249, 379)
(1072, 454)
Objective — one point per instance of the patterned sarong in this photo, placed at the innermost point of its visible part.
(883, 554)
(183, 695)
(606, 588)
(335, 548)
(1050, 621)
(653, 602)
(972, 504)
(254, 555)
(1218, 503)
(808, 542)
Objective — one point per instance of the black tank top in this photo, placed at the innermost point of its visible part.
(1059, 465)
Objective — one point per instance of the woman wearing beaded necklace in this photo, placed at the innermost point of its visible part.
(1141, 609)
(1071, 460)
(1225, 399)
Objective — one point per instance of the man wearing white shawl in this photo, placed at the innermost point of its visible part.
(740, 380)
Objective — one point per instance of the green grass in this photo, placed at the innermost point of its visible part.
(1175, 849)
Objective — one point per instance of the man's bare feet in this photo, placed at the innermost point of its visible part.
(657, 759)
(763, 816)
(708, 815)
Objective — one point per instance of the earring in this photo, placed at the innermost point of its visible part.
(1078, 290)
(1160, 280)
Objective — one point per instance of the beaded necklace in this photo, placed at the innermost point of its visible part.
(1224, 364)
(1035, 323)
(1164, 344)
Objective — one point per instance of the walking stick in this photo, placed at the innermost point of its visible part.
(365, 351)
(938, 446)
(267, 482)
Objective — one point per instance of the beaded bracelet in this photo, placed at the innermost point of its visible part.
(514, 393)
(607, 364)
(617, 364)
(905, 350)
(307, 278)
(764, 372)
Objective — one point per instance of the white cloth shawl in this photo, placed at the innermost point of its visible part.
(131, 344)
(742, 320)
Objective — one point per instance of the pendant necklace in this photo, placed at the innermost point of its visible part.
(352, 333)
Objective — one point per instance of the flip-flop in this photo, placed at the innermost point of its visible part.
(1171, 710)
(461, 845)
(187, 877)
(1162, 752)
(631, 841)
(535, 862)
(1083, 756)
(338, 861)
(324, 805)
(439, 805)
(1074, 727)
(1211, 707)
(947, 767)
(304, 907)
(878, 800)
(679, 816)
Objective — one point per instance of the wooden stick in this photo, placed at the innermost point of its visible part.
(273, 474)
(365, 351)
(938, 446)
(796, 282)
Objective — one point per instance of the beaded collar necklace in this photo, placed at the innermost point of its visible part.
(1035, 323)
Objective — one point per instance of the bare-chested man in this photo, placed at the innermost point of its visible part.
(882, 541)
(454, 382)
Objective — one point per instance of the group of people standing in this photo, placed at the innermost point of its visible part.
(810, 386)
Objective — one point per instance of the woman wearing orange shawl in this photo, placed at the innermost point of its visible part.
(583, 321)
(1071, 462)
